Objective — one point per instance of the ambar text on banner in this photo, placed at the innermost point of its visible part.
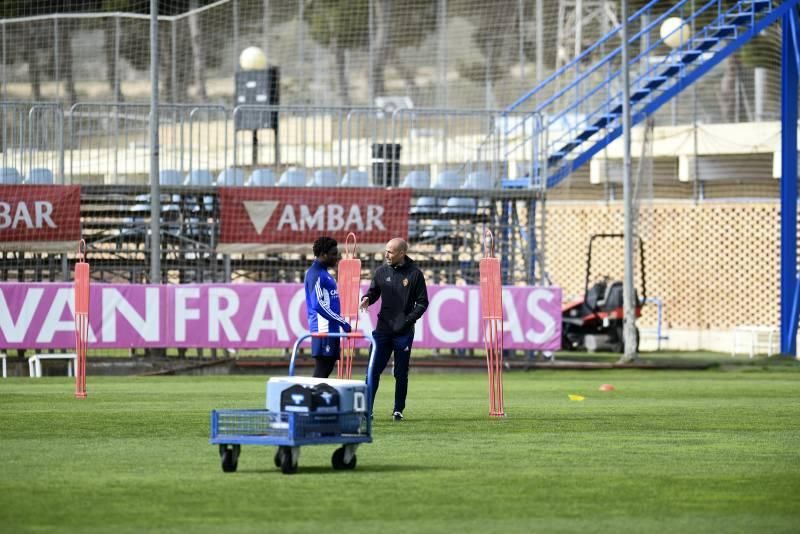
(40, 218)
(261, 219)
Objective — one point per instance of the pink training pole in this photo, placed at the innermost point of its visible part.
(349, 285)
(491, 291)
(81, 320)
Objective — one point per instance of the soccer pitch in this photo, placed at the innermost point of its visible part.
(667, 451)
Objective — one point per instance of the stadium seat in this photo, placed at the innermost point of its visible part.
(460, 205)
(425, 205)
(170, 204)
(293, 177)
(262, 178)
(170, 177)
(355, 178)
(231, 177)
(478, 180)
(454, 205)
(420, 180)
(413, 229)
(9, 176)
(40, 176)
(204, 178)
(325, 178)
(201, 177)
(448, 180)
(438, 230)
(417, 180)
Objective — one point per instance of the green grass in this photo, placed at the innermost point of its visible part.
(709, 451)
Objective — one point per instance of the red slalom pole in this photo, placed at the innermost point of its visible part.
(81, 320)
(491, 291)
(349, 284)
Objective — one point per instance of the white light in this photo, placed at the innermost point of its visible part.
(253, 58)
(674, 32)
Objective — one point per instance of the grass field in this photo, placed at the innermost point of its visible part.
(667, 451)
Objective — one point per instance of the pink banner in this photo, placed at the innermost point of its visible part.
(251, 316)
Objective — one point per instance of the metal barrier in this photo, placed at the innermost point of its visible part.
(32, 142)
(442, 142)
(109, 143)
(308, 139)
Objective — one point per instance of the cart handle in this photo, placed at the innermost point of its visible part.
(356, 335)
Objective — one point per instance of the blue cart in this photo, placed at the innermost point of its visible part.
(230, 429)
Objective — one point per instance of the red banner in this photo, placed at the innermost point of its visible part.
(44, 218)
(256, 219)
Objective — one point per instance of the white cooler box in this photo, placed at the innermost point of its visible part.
(352, 393)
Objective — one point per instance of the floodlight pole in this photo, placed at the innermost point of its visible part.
(629, 324)
(155, 190)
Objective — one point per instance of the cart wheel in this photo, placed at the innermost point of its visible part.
(287, 466)
(337, 460)
(230, 457)
(278, 458)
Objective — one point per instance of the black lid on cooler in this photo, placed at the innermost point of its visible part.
(324, 398)
(296, 398)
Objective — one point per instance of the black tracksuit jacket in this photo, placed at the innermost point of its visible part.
(403, 294)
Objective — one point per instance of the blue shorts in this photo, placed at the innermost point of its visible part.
(325, 347)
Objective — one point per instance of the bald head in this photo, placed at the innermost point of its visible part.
(396, 251)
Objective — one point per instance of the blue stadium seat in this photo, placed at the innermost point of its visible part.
(201, 177)
(40, 176)
(481, 180)
(262, 178)
(437, 229)
(478, 180)
(448, 180)
(231, 177)
(425, 205)
(9, 176)
(170, 204)
(355, 178)
(170, 177)
(293, 177)
(417, 180)
(325, 178)
(460, 205)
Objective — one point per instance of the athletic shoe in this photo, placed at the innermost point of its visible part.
(397, 416)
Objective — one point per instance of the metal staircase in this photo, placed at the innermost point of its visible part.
(577, 111)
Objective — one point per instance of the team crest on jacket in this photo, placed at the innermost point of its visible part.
(405, 282)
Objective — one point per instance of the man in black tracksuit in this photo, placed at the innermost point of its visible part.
(404, 298)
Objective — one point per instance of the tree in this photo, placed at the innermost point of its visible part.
(491, 22)
(34, 42)
(134, 41)
(340, 27)
(398, 24)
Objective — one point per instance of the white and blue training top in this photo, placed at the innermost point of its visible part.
(322, 300)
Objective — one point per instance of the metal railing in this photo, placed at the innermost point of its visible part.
(32, 142)
(581, 104)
